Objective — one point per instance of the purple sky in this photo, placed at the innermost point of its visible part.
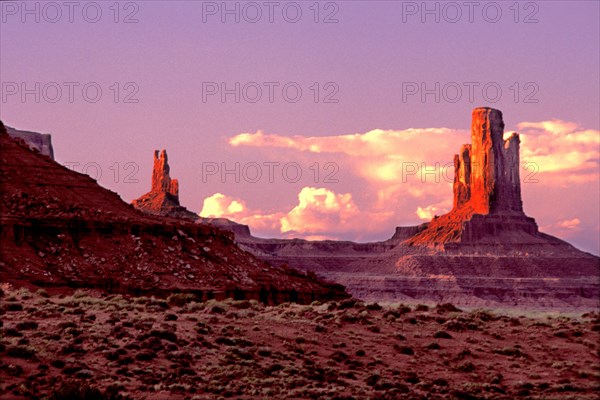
(368, 55)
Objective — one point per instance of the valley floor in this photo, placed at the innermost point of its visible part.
(85, 345)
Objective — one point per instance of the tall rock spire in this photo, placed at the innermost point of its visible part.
(487, 191)
(161, 180)
(163, 197)
(487, 171)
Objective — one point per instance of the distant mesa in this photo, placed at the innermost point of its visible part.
(163, 197)
(41, 142)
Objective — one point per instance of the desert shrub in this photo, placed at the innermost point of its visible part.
(442, 335)
(67, 324)
(510, 351)
(181, 299)
(79, 293)
(264, 352)
(11, 332)
(14, 370)
(484, 316)
(273, 368)
(373, 379)
(164, 334)
(373, 307)
(402, 309)
(145, 355)
(339, 356)
(156, 304)
(344, 304)
(27, 325)
(170, 317)
(455, 326)
(421, 307)
(466, 366)
(406, 350)
(77, 390)
(411, 377)
(446, 307)
(434, 346)
(13, 306)
(225, 341)
(24, 352)
(217, 309)
(463, 353)
(241, 304)
(374, 329)
(57, 363)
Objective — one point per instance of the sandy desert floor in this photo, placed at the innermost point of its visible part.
(87, 346)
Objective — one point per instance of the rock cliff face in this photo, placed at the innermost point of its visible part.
(60, 229)
(41, 142)
(487, 170)
(161, 180)
(487, 189)
(163, 197)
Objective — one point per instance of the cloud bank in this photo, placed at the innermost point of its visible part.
(400, 176)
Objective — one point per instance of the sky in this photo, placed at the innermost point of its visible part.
(330, 119)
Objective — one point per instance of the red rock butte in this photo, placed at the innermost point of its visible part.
(487, 188)
(486, 177)
(161, 181)
(163, 197)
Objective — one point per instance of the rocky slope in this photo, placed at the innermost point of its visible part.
(59, 228)
(485, 252)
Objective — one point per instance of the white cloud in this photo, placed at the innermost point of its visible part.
(570, 223)
(561, 150)
(218, 205)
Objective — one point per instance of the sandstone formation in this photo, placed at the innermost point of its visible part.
(163, 197)
(487, 170)
(41, 142)
(60, 229)
(487, 189)
(485, 252)
(161, 180)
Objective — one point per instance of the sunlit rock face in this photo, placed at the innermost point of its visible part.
(163, 197)
(161, 180)
(487, 189)
(487, 170)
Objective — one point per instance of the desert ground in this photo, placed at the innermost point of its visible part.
(85, 345)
